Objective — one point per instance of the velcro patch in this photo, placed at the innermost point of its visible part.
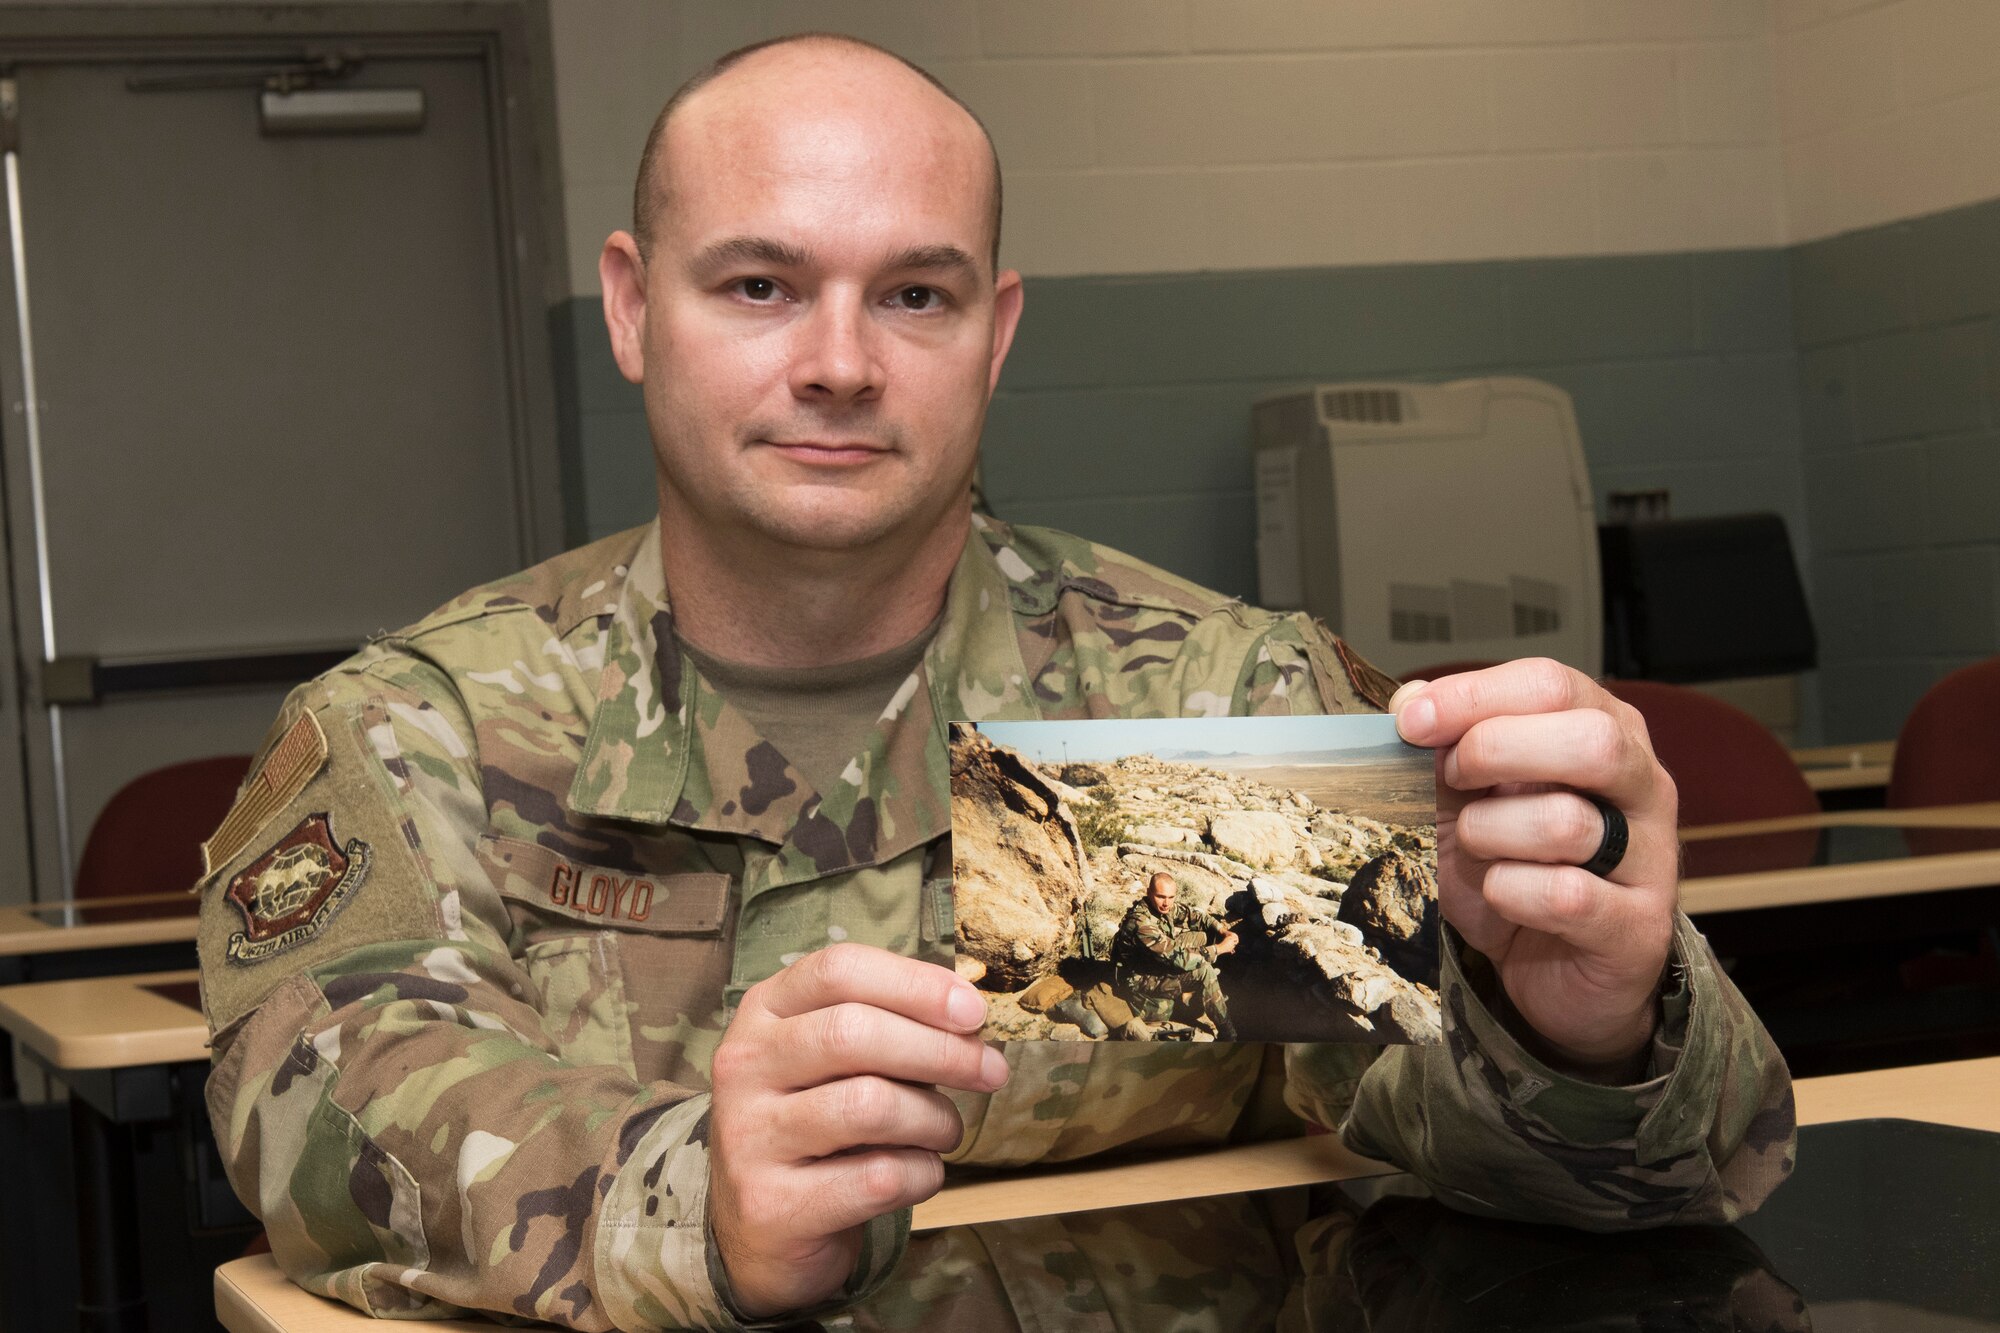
(336, 867)
(541, 877)
(282, 776)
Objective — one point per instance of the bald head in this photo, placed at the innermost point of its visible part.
(799, 75)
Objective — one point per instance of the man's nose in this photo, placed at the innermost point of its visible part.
(837, 360)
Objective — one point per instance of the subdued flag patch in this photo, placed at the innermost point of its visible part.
(283, 775)
(1369, 681)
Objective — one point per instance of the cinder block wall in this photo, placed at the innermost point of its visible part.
(1889, 113)
(1888, 109)
(1752, 237)
(1149, 136)
(1211, 200)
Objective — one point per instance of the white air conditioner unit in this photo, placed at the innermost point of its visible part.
(1429, 523)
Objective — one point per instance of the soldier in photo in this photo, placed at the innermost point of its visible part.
(618, 992)
(1163, 960)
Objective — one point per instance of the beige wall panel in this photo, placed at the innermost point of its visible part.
(1887, 111)
(1728, 92)
(1167, 135)
(1948, 154)
(1946, 48)
(1588, 97)
(1127, 222)
(1836, 75)
(1083, 27)
(1038, 112)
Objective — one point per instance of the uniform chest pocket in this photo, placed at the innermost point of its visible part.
(627, 966)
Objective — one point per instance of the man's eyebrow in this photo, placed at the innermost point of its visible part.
(751, 250)
(934, 259)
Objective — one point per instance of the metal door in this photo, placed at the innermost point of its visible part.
(285, 392)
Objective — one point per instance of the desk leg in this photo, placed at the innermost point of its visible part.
(109, 1297)
(11, 973)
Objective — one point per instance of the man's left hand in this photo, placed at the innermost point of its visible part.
(1580, 956)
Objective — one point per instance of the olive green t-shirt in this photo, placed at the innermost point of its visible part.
(818, 717)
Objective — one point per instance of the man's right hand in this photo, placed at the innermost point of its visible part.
(824, 1116)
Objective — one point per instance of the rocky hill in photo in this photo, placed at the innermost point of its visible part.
(1337, 912)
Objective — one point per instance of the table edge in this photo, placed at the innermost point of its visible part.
(232, 1297)
(1840, 883)
(1853, 1097)
(92, 1052)
(45, 939)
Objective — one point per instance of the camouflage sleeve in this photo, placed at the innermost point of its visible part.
(1705, 1137)
(385, 1089)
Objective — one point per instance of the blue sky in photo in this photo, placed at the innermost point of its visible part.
(1300, 739)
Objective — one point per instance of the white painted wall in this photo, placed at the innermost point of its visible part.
(1177, 135)
(1888, 109)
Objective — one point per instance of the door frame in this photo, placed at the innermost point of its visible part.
(511, 39)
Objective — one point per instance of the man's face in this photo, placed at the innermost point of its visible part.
(1161, 895)
(821, 331)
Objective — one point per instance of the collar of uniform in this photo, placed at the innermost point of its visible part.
(897, 793)
(635, 760)
(975, 665)
(660, 745)
(663, 746)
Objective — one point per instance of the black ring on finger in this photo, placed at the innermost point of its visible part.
(1617, 836)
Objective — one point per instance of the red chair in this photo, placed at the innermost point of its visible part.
(148, 837)
(1728, 768)
(1949, 754)
(1443, 669)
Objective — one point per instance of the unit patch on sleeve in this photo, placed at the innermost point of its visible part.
(288, 894)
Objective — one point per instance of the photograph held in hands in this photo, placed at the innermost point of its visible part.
(1197, 879)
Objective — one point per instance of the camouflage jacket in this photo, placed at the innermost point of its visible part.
(461, 1042)
(1150, 945)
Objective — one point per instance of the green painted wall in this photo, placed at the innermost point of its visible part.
(1899, 390)
(1124, 410)
(1851, 385)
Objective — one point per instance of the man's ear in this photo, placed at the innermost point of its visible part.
(622, 273)
(1007, 297)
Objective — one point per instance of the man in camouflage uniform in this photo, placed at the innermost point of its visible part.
(602, 1007)
(1161, 955)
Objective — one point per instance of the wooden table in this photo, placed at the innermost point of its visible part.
(1847, 767)
(1860, 879)
(122, 1044)
(252, 1296)
(92, 1024)
(39, 941)
(42, 928)
(1965, 1093)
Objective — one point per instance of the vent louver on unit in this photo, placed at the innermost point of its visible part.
(1373, 406)
(1469, 609)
